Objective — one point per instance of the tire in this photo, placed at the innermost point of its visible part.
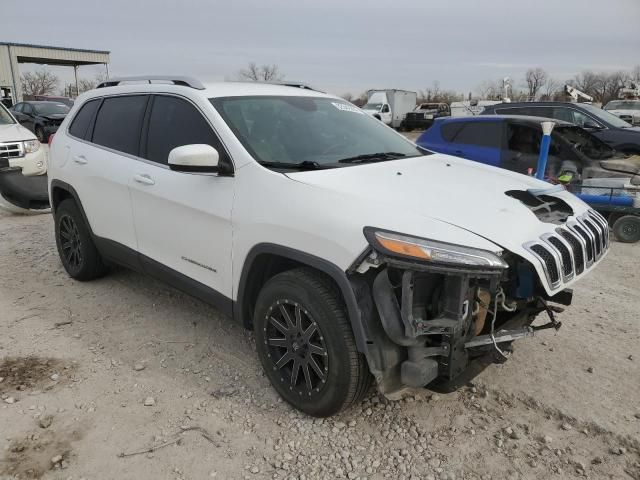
(300, 319)
(79, 255)
(40, 134)
(627, 229)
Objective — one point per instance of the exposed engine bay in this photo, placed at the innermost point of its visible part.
(442, 326)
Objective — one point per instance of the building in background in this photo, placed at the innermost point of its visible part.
(13, 54)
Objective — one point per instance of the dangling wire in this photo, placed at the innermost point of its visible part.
(499, 300)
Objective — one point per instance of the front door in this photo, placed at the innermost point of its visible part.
(182, 220)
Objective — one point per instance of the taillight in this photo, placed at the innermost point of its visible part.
(50, 139)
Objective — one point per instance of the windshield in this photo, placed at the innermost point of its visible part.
(5, 116)
(623, 105)
(320, 132)
(605, 116)
(585, 143)
(372, 106)
(50, 108)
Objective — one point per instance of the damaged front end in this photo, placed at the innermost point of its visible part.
(436, 314)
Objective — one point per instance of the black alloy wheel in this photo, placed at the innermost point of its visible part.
(70, 242)
(306, 344)
(296, 348)
(79, 255)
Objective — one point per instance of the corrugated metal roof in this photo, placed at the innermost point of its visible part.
(29, 45)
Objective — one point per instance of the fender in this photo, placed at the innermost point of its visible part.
(330, 269)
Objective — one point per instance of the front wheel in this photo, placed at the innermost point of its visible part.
(40, 134)
(306, 345)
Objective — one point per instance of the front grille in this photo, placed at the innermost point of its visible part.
(627, 118)
(567, 261)
(573, 248)
(549, 262)
(8, 151)
(576, 246)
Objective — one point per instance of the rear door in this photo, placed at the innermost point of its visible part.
(105, 138)
(182, 220)
(479, 140)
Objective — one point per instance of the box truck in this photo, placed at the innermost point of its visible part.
(390, 106)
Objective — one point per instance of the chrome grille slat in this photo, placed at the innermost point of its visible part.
(577, 247)
(572, 249)
(566, 256)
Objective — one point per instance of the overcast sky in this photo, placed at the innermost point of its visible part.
(339, 45)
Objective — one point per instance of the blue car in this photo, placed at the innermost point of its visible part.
(513, 142)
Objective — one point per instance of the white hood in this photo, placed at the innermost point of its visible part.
(15, 133)
(454, 191)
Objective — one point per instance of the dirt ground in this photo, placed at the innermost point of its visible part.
(96, 375)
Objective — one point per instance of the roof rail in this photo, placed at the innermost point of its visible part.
(177, 80)
(293, 84)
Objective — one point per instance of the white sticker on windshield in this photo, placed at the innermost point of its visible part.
(347, 108)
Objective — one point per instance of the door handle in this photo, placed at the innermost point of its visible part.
(80, 159)
(144, 179)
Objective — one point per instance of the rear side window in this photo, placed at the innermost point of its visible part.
(119, 122)
(482, 134)
(80, 124)
(450, 130)
(173, 123)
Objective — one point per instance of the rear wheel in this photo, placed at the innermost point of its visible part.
(78, 253)
(306, 345)
(627, 229)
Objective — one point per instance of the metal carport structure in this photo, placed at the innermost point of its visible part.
(13, 54)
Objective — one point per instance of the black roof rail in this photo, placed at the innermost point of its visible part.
(293, 84)
(177, 80)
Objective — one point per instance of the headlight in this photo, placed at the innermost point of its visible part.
(432, 251)
(31, 146)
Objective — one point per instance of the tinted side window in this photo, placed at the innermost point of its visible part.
(18, 108)
(80, 123)
(483, 134)
(118, 123)
(173, 123)
(450, 130)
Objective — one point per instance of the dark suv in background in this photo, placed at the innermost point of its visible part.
(607, 127)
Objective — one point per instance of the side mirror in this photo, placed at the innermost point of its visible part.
(194, 158)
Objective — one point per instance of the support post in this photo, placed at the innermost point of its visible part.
(547, 128)
(75, 72)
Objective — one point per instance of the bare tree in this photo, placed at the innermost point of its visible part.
(490, 90)
(550, 89)
(536, 79)
(40, 82)
(264, 73)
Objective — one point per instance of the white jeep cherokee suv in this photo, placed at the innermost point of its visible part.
(346, 248)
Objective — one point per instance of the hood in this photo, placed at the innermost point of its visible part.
(439, 187)
(15, 133)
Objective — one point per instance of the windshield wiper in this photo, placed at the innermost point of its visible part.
(373, 157)
(306, 165)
